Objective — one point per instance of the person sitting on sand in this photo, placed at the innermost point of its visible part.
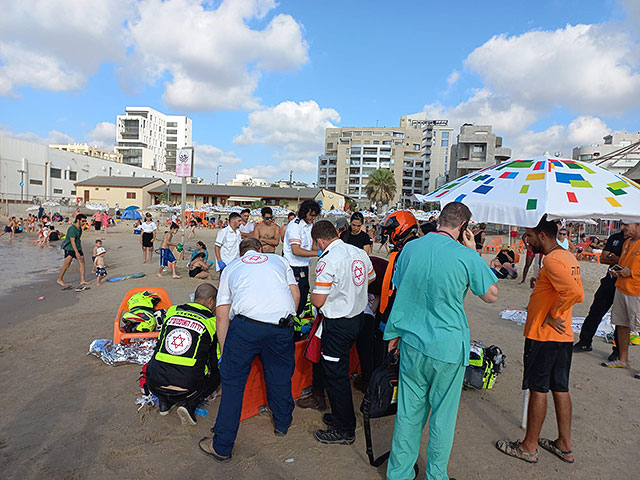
(54, 234)
(167, 258)
(199, 267)
(183, 370)
(200, 248)
(98, 265)
(503, 264)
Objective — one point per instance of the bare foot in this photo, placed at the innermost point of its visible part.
(176, 276)
(62, 284)
(159, 275)
(85, 283)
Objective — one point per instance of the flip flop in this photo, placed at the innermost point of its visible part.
(212, 453)
(82, 288)
(615, 364)
(513, 449)
(68, 287)
(550, 446)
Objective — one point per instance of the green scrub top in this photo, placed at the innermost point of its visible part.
(433, 275)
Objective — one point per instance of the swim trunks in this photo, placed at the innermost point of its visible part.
(195, 271)
(166, 257)
(101, 272)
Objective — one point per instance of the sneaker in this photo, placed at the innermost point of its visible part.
(615, 364)
(637, 375)
(279, 433)
(327, 418)
(582, 347)
(614, 355)
(187, 415)
(313, 401)
(164, 406)
(334, 437)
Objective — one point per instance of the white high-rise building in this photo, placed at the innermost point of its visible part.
(437, 139)
(150, 139)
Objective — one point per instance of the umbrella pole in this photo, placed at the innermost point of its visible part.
(525, 408)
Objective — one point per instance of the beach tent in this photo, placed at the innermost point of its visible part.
(132, 207)
(131, 215)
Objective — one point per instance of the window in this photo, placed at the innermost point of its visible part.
(73, 192)
(416, 147)
(376, 142)
(73, 175)
(586, 157)
(131, 195)
(35, 182)
(444, 143)
(57, 190)
(445, 134)
(386, 142)
(478, 148)
(330, 146)
(55, 172)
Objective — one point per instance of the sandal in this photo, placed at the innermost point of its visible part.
(212, 453)
(513, 449)
(615, 364)
(550, 446)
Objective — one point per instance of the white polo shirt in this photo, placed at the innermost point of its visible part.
(248, 228)
(343, 272)
(298, 233)
(229, 243)
(256, 285)
(148, 227)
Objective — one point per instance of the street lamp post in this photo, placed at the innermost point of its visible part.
(217, 174)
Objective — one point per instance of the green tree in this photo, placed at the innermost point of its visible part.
(381, 187)
(257, 204)
(284, 203)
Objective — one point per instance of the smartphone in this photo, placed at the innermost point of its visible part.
(615, 268)
(465, 225)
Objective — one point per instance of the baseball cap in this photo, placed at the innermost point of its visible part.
(341, 222)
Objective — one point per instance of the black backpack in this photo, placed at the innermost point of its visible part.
(381, 398)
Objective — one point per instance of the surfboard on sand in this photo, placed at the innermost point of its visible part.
(126, 277)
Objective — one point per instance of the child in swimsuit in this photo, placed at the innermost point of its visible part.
(166, 255)
(98, 265)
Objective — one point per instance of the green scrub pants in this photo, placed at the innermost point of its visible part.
(425, 385)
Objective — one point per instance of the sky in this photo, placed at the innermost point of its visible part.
(261, 79)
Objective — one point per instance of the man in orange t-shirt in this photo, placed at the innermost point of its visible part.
(625, 311)
(548, 345)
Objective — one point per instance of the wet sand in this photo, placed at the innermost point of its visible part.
(67, 415)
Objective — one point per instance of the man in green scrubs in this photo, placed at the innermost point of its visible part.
(433, 274)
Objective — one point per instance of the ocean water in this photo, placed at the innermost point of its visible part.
(23, 262)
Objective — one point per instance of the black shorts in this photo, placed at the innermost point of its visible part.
(97, 225)
(147, 239)
(546, 366)
(72, 253)
(195, 271)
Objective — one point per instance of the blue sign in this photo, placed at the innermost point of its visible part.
(22, 184)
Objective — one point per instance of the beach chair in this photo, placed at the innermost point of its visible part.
(122, 337)
(494, 246)
(594, 257)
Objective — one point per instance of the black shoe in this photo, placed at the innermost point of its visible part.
(164, 406)
(279, 433)
(187, 414)
(327, 418)
(313, 401)
(614, 356)
(582, 347)
(334, 437)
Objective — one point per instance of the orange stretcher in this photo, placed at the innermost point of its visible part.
(120, 336)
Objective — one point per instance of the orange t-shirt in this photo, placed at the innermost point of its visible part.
(558, 289)
(630, 258)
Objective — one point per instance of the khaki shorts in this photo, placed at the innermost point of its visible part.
(625, 311)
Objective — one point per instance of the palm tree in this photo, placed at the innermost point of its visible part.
(381, 187)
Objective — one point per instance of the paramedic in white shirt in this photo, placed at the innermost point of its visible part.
(246, 227)
(298, 247)
(255, 308)
(228, 242)
(343, 274)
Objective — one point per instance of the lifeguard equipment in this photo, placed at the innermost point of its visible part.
(140, 316)
(485, 363)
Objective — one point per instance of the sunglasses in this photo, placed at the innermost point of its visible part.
(268, 218)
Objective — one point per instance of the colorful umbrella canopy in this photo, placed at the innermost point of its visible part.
(520, 192)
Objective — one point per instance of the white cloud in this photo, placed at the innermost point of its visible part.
(54, 136)
(103, 135)
(303, 170)
(453, 78)
(587, 68)
(211, 55)
(208, 156)
(56, 45)
(295, 129)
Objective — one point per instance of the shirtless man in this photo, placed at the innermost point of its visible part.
(268, 231)
(283, 229)
(166, 256)
(10, 228)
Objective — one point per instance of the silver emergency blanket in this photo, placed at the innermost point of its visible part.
(133, 352)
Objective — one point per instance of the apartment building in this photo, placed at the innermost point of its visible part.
(437, 140)
(352, 153)
(622, 163)
(476, 148)
(150, 139)
(90, 151)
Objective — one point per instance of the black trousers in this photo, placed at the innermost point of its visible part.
(190, 399)
(338, 336)
(302, 277)
(602, 301)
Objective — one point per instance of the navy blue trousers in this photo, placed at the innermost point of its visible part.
(276, 348)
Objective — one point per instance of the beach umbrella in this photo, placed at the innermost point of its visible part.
(520, 192)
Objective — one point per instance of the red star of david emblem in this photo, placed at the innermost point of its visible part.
(358, 272)
(175, 339)
(254, 258)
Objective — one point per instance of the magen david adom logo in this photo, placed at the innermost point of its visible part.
(178, 341)
(358, 272)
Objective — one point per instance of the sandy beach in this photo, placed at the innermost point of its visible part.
(67, 415)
